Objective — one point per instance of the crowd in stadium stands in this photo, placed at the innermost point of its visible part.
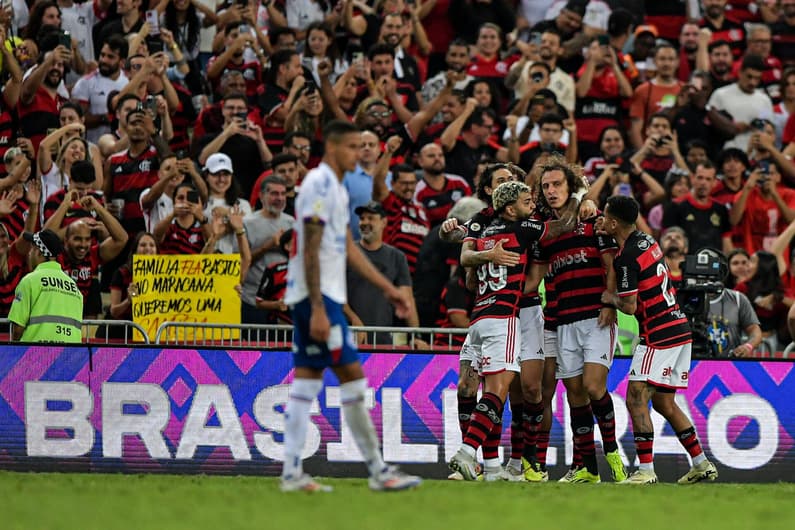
(187, 126)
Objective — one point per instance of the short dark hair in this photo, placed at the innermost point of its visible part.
(74, 106)
(476, 118)
(663, 45)
(235, 95)
(118, 44)
(124, 98)
(753, 62)
(275, 33)
(231, 26)
(717, 44)
(336, 129)
(458, 41)
(550, 117)
(288, 139)
(403, 168)
(732, 153)
(619, 22)
(279, 58)
(624, 208)
(283, 158)
(82, 171)
(706, 164)
(661, 116)
(381, 48)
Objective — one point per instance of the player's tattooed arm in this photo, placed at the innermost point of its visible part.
(497, 255)
(452, 232)
(565, 223)
(625, 304)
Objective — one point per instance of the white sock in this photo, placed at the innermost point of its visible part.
(468, 450)
(296, 421)
(699, 458)
(647, 467)
(492, 463)
(515, 463)
(352, 394)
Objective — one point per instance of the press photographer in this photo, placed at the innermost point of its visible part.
(722, 320)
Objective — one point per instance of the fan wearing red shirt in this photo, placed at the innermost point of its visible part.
(438, 191)
(407, 222)
(762, 209)
(40, 102)
(601, 85)
(232, 58)
(487, 61)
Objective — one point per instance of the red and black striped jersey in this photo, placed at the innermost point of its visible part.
(499, 286)
(75, 212)
(731, 31)
(8, 128)
(129, 178)
(181, 120)
(85, 273)
(15, 221)
(456, 298)
(183, 240)
(784, 42)
(38, 116)
(252, 73)
(532, 298)
(641, 270)
(550, 303)
(406, 227)
(269, 102)
(578, 274)
(438, 203)
(272, 287)
(16, 266)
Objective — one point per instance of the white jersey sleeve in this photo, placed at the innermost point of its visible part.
(324, 200)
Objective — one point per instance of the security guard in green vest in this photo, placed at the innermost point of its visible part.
(48, 306)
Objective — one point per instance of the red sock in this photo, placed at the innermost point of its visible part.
(606, 417)
(644, 445)
(491, 447)
(542, 444)
(488, 412)
(533, 414)
(690, 442)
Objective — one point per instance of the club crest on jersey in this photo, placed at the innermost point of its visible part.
(145, 166)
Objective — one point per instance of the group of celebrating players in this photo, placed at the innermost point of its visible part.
(591, 266)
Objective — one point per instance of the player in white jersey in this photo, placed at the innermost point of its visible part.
(316, 291)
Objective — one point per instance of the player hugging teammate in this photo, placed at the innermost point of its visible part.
(575, 341)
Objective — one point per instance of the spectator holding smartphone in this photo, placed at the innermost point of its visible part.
(185, 230)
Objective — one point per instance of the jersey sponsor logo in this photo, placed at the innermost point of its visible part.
(569, 259)
(407, 227)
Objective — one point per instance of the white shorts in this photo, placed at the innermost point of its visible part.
(668, 368)
(550, 344)
(531, 322)
(467, 354)
(496, 342)
(584, 342)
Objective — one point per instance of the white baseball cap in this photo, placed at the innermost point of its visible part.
(218, 162)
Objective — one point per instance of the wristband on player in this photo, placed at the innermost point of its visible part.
(750, 346)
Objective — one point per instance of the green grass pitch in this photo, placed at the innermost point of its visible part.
(44, 501)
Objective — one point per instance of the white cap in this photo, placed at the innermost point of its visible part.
(218, 162)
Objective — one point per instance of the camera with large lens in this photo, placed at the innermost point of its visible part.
(702, 275)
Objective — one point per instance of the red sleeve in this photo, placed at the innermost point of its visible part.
(789, 130)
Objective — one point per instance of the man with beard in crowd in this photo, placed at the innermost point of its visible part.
(560, 82)
(92, 90)
(406, 69)
(40, 100)
(784, 34)
(674, 245)
(720, 63)
(457, 58)
(438, 191)
(688, 51)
